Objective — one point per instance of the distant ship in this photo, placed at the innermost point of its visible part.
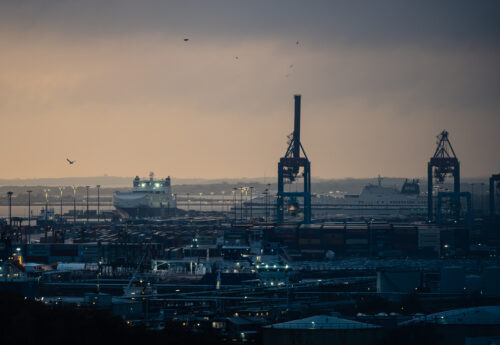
(374, 200)
(387, 196)
(148, 198)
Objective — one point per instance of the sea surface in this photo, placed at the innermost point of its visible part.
(22, 211)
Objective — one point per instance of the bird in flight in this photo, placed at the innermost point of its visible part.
(70, 161)
(186, 39)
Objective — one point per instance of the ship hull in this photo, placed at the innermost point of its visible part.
(149, 212)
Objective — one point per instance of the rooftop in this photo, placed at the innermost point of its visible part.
(485, 315)
(323, 322)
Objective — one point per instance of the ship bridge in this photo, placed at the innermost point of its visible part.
(152, 185)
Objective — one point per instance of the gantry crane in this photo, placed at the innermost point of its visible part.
(445, 163)
(289, 169)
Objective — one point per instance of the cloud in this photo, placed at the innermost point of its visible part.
(351, 22)
(117, 84)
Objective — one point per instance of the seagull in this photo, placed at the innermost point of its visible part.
(70, 162)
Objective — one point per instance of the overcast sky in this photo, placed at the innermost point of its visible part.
(113, 85)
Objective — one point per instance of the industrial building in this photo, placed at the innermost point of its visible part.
(321, 330)
(476, 325)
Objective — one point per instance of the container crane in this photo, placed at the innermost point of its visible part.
(289, 169)
(443, 163)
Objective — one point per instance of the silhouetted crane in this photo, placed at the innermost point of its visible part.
(289, 168)
(445, 163)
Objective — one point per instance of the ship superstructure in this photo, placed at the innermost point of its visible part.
(377, 194)
(148, 198)
(374, 200)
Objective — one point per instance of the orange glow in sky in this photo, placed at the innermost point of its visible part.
(124, 99)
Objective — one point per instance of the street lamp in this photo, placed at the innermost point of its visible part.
(175, 208)
(223, 201)
(267, 201)
(9, 194)
(74, 204)
(241, 204)
(246, 203)
(87, 188)
(46, 192)
(264, 196)
(251, 202)
(234, 203)
(61, 201)
(29, 216)
(98, 202)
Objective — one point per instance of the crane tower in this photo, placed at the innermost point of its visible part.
(291, 167)
(443, 163)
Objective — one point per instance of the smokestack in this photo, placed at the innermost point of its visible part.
(296, 128)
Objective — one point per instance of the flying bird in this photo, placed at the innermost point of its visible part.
(297, 43)
(70, 161)
(186, 39)
(236, 57)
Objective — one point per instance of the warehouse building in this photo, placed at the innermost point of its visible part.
(319, 330)
(476, 325)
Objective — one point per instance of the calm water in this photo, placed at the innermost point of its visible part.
(208, 203)
(22, 211)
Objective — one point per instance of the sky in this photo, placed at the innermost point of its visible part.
(114, 86)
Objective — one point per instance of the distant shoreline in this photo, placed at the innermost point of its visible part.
(118, 181)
